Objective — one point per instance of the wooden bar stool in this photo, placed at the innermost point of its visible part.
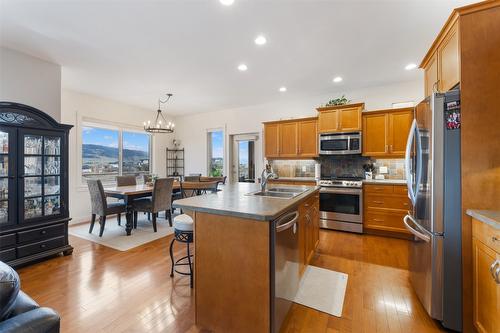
(183, 233)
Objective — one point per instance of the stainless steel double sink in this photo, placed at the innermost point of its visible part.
(280, 192)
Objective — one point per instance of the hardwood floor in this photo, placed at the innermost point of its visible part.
(99, 289)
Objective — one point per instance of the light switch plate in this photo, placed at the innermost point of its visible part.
(382, 170)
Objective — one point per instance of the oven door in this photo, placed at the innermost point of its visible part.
(334, 145)
(341, 204)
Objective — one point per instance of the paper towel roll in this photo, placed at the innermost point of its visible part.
(317, 171)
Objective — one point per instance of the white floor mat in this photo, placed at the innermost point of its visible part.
(323, 290)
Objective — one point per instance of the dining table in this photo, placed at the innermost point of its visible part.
(129, 193)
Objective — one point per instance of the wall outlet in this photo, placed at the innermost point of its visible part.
(304, 168)
(383, 170)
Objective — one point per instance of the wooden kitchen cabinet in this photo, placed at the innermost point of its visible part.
(431, 75)
(385, 132)
(384, 207)
(308, 230)
(340, 118)
(442, 63)
(295, 139)
(486, 290)
(308, 138)
(288, 143)
(271, 140)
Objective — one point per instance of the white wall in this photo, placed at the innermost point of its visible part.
(191, 129)
(31, 81)
(77, 107)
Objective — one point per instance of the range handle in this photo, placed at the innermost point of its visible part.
(287, 221)
(417, 233)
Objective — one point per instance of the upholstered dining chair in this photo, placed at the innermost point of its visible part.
(161, 200)
(124, 181)
(100, 206)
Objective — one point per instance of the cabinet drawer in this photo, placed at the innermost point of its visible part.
(391, 202)
(7, 240)
(385, 221)
(401, 189)
(486, 234)
(41, 233)
(8, 255)
(387, 189)
(26, 250)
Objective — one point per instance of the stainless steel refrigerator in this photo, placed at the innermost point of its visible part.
(432, 165)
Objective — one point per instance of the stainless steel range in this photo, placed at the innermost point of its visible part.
(341, 204)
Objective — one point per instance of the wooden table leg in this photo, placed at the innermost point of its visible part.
(129, 216)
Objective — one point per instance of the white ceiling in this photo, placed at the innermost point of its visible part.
(135, 50)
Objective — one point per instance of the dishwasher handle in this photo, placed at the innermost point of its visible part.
(284, 223)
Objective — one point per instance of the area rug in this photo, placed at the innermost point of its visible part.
(115, 236)
(322, 290)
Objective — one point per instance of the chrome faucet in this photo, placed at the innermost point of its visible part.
(267, 174)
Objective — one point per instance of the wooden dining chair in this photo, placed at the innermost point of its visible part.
(192, 178)
(161, 200)
(100, 206)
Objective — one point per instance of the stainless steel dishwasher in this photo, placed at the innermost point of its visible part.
(286, 265)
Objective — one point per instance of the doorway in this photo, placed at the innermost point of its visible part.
(243, 159)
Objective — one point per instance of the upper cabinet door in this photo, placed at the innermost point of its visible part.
(399, 127)
(375, 134)
(271, 140)
(8, 174)
(308, 138)
(449, 60)
(431, 75)
(350, 119)
(328, 121)
(288, 134)
(41, 165)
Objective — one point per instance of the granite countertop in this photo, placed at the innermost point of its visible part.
(385, 181)
(490, 217)
(234, 201)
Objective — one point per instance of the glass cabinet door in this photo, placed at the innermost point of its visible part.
(7, 175)
(42, 175)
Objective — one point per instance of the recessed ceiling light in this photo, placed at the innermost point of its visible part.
(226, 2)
(337, 79)
(242, 67)
(411, 66)
(260, 40)
(282, 89)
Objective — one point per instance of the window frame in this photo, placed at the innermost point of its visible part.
(209, 148)
(109, 126)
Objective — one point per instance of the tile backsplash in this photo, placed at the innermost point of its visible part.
(293, 168)
(353, 165)
(395, 167)
(340, 165)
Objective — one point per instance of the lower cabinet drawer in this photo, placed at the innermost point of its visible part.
(26, 250)
(7, 240)
(392, 202)
(8, 255)
(385, 221)
(41, 233)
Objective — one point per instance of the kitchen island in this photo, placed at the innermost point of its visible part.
(237, 266)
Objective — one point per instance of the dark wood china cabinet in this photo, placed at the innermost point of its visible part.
(33, 185)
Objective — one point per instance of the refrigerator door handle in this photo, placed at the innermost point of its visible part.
(409, 178)
(414, 231)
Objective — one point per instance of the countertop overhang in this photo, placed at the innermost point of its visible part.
(490, 217)
(234, 200)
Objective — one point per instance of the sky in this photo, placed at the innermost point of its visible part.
(217, 144)
(243, 154)
(109, 138)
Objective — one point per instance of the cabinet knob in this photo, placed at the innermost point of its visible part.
(43, 232)
(494, 272)
(43, 246)
(495, 239)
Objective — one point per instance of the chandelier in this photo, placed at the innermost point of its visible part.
(160, 124)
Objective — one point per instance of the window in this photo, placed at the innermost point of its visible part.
(246, 163)
(108, 152)
(215, 153)
(135, 153)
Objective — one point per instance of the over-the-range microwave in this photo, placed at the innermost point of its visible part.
(340, 143)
